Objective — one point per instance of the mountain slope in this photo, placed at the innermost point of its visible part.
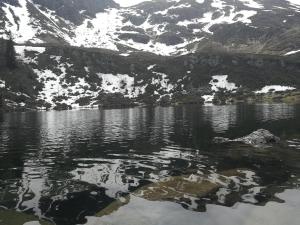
(72, 77)
(163, 27)
(78, 53)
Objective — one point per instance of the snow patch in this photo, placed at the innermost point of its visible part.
(119, 83)
(20, 23)
(274, 88)
(162, 80)
(151, 67)
(294, 2)
(292, 52)
(220, 82)
(32, 223)
(252, 4)
(208, 98)
(128, 3)
(2, 84)
(21, 49)
(242, 16)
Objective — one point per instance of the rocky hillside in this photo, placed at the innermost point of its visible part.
(165, 27)
(72, 77)
(78, 53)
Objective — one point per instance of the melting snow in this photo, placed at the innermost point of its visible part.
(32, 223)
(2, 84)
(242, 16)
(21, 49)
(208, 98)
(120, 83)
(217, 83)
(99, 31)
(151, 67)
(252, 4)
(292, 52)
(127, 3)
(163, 81)
(294, 2)
(54, 86)
(274, 88)
(19, 22)
(220, 82)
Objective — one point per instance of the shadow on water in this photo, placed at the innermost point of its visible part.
(98, 166)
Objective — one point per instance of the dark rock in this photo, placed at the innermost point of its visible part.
(257, 138)
(170, 38)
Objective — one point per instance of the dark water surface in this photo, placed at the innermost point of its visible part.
(150, 166)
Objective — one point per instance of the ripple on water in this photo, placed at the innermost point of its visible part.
(66, 165)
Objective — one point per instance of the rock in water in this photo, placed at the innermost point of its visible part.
(220, 140)
(259, 137)
(169, 189)
(256, 138)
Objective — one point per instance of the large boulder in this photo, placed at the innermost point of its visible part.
(257, 138)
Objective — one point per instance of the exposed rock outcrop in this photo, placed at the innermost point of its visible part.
(257, 138)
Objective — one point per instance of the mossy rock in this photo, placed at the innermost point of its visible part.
(11, 217)
(169, 189)
(177, 187)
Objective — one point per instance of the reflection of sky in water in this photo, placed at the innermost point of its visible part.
(266, 112)
(221, 117)
(140, 211)
(48, 154)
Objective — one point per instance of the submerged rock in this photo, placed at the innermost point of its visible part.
(169, 189)
(177, 187)
(256, 138)
(11, 217)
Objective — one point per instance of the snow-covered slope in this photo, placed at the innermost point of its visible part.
(165, 27)
(70, 77)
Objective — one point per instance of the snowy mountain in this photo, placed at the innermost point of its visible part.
(77, 53)
(71, 77)
(166, 27)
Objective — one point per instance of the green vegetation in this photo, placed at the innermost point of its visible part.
(11, 217)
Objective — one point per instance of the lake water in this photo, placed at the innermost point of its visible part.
(150, 166)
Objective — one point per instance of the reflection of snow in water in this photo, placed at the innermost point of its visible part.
(266, 112)
(109, 174)
(221, 117)
(34, 183)
(141, 211)
(112, 173)
(295, 143)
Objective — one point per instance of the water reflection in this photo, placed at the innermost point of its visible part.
(266, 112)
(141, 211)
(64, 166)
(221, 117)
